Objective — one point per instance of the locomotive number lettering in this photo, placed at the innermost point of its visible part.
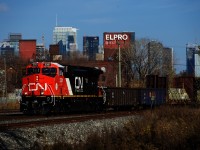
(36, 86)
(79, 84)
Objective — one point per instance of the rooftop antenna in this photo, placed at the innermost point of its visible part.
(56, 20)
(43, 40)
(43, 57)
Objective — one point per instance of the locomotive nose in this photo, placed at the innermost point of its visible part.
(35, 79)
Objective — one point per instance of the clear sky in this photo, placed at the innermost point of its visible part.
(172, 22)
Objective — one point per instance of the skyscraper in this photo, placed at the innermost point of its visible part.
(155, 57)
(193, 60)
(91, 46)
(14, 41)
(167, 61)
(40, 52)
(68, 36)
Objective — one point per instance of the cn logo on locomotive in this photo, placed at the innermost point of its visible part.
(36, 86)
(79, 84)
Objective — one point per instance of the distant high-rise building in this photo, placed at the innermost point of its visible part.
(91, 46)
(40, 52)
(68, 36)
(14, 41)
(193, 60)
(6, 51)
(160, 59)
(167, 63)
(155, 57)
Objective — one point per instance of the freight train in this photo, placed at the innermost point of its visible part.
(52, 87)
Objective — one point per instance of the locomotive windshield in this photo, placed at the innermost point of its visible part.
(49, 71)
(33, 71)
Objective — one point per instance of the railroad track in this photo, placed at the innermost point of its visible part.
(48, 121)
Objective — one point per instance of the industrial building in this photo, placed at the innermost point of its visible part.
(112, 41)
(27, 49)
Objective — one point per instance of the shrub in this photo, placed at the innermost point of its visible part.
(163, 128)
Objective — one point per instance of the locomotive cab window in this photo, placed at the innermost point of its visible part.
(33, 71)
(49, 71)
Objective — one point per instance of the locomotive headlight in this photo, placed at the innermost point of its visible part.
(47, 64)
(41, 92)
(36, 78)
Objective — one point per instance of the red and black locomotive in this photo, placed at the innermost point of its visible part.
(51, 87)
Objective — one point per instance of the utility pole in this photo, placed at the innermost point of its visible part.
(119, 66)
(5, 81)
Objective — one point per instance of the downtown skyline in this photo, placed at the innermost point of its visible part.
(173, 23)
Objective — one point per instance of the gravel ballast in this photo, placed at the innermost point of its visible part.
(70, 133)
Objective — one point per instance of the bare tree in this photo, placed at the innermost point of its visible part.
(155, 57)
(141, 58)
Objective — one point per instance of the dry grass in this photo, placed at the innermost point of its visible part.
(9, 106)
(164, 128)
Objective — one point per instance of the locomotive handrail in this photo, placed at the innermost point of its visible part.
(52, 93)
(104, 94)
(23, 87)
(20, 100)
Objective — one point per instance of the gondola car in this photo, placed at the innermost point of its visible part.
(134, 98)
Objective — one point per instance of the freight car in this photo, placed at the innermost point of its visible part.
(119, 98)
(51, 87)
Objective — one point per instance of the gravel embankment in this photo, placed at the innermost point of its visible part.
(70, 133)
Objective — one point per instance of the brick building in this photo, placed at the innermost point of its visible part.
(27, 49)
